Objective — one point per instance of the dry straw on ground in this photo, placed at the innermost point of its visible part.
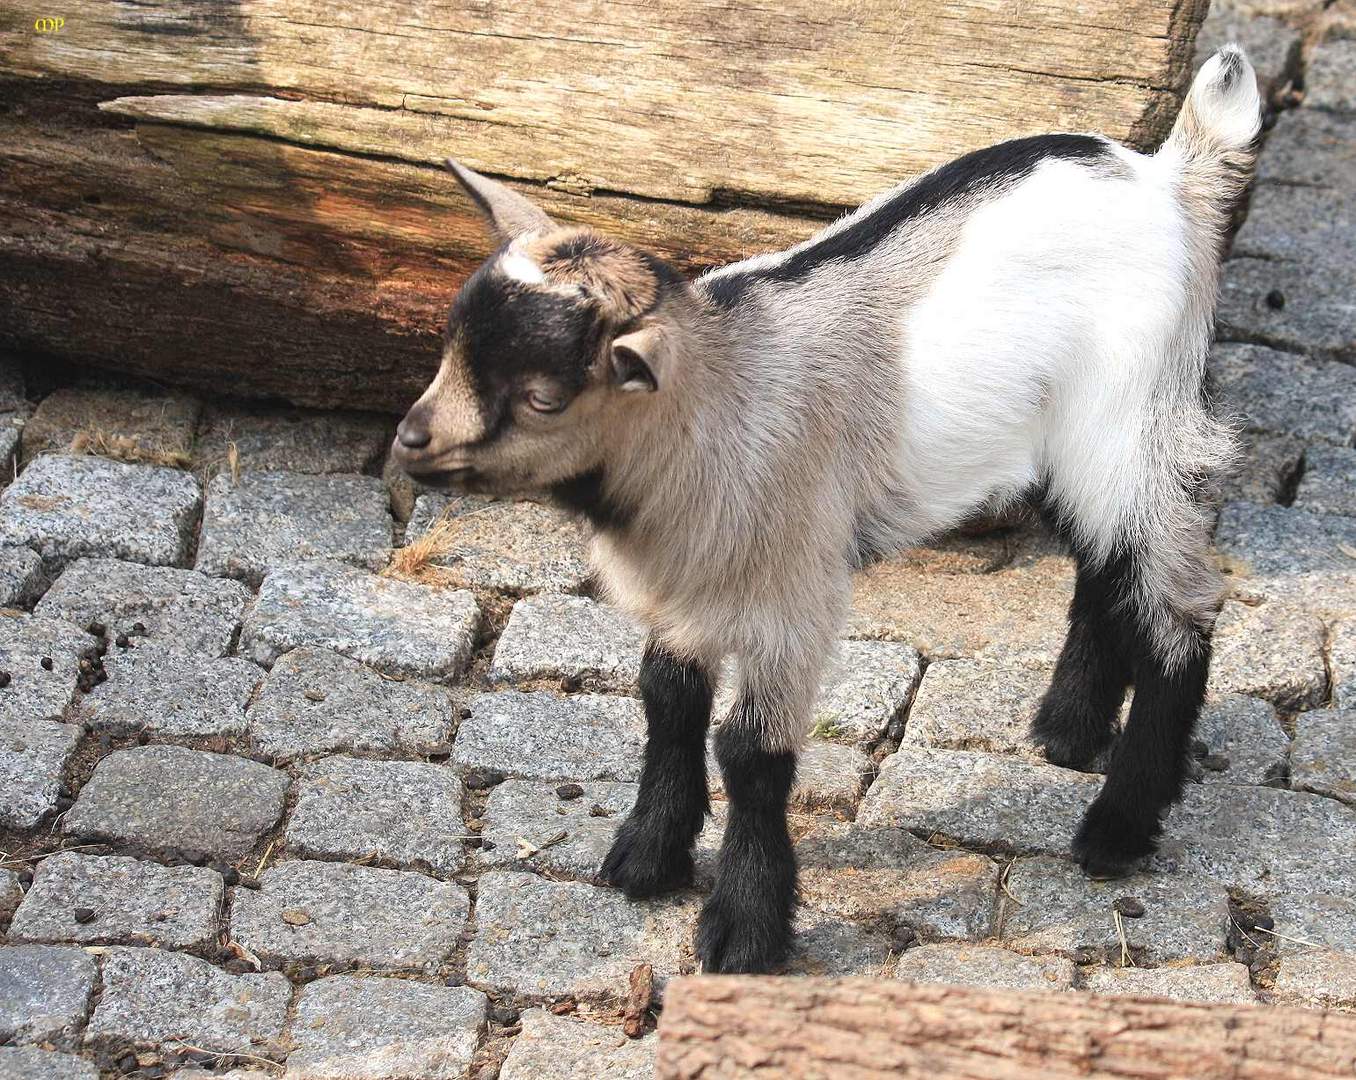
(101, 443)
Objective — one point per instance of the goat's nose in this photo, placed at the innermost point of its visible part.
(413, 435)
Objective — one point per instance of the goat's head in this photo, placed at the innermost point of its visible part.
(557, 332)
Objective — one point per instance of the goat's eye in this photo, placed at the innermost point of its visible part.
(544, 402)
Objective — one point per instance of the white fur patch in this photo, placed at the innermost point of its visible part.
(518, 267)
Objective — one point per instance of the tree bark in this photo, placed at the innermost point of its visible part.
(248, 194)
(852, 1029)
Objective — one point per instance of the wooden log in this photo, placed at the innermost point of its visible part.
(251, 192)
(724, 1028)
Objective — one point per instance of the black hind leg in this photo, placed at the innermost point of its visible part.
(1077, 717)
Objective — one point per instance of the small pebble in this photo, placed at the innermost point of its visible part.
(567, 792)
(465, 714)
(247, 882)
(480, 778)
(139, 628)
(1275, 299)
(1129, 907)
(46, 663)
(98, 629)
(487, 845)
(1263, 922)
(122, 641)
(229, 873)
(5, 679)
(504, 1014)
(598, 810)
(25, 878)
(474, 841)
(314, 695)
(84, 915)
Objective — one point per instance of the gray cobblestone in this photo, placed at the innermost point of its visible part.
(403, 812)
(349, 1028)
(558, 1048)
(30, 1063)
(291, 440)
(11, 434)
(1017, 612)
(10, 895)
(315, 701)
(166, 797)
(171, 693)
(1329, 482)
(984, 966)
(1245, 732)
(1283, 394)
(44, 994)
(66, 507)
(1050, 905)
(1342, 662)
(1330, 77)
(265, 519)
(1271, 651)
(168, 998)
(977, 705)
(179, 609)
(1308, 913)
(546, 938)
(21, 576)
(539, 736)
(27, 644)
(518, 547)
(1317, 979)
(830, 776)
(1280, 553)
(886, 876)
(1266, 468)
(867, 684)
(1206, 984)
(825, 945)
(134, 902)
(1324, 756)
(979, 799)
(396, 627)
(340, 913)
(32, 756)
(146, 423)
(554, 636)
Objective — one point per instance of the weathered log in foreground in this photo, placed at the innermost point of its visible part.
(851, 1029)
(248, 194)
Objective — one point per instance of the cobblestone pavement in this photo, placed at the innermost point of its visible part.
(264, 809)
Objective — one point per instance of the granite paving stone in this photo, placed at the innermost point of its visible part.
(1330, 77)
(539, 736)
(168, 998)
(165, 798)
(1281, 553)
(1329, 482)
(516, 547)
(178, 609)
(1247, 740)
(13, 393)
(1320, 912)
(1317, 979)
(321, 912)
(21, 578)
(1273, 651)
(1016, 612)
(351, 1028)
(403, 812)
(11, 434)
(1205, 984)
(264, 519)
(133, 902)
(540, 938)
(32, 1063)
(129, 422)
(65, 507)
(826, 945)
(978, 705)
(1324, 756)
(32, 757)
(11, 892)
(554, 636)
(1266, 468)
(290, 440)
(398, 628)
(44, 994)
(866, 686)
(562, 1048)
(979, 799)
(170, 693)
(887, 877)
(1280, 393)
(315, 701)
(830, 776)
(534, 812)
(987, 967)
(1342, 664)
(42, 657)
(1051, 906)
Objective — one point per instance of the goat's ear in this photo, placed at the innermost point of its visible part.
(509, 214)
(638, 359)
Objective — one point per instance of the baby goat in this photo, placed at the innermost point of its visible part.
(1032, 319)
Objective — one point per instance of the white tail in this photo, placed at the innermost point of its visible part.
(1223, 110)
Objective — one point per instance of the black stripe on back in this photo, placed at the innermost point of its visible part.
(994, 165)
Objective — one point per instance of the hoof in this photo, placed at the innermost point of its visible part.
(642, 865)
(747, 938)
(1111, 844)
